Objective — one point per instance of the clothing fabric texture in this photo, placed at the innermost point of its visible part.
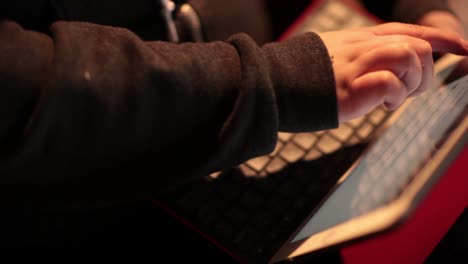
(96, 107)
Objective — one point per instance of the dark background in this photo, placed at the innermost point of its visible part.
(153, 236)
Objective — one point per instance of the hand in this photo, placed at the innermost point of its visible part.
(385, 64)
(443, 20)
(447, 21)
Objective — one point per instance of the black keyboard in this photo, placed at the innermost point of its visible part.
(252, 217)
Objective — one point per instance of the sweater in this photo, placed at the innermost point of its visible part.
(97, 107)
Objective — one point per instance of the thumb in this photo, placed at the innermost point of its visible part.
(371, 90)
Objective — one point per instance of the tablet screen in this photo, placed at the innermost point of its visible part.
(394, 159)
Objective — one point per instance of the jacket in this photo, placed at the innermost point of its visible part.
(97, 105)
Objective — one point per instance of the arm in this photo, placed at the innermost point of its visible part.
(385, 64)
(92, 113)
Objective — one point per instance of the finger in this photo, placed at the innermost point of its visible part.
(368, 91)
(441, 41)
(421, 47)
(424, 51)
(443, 20)
(399, 58)
(374, 89)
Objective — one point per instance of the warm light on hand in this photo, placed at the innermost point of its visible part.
(385, 64)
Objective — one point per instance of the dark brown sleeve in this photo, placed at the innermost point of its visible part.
(92, 114)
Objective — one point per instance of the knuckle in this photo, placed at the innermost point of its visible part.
(388, 81)
(399, 39)
(426, 48)
(405, 50)
(402, 51)
(405, 57)
(386, 78)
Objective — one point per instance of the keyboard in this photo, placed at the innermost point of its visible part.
(252, 217)
(253, 208)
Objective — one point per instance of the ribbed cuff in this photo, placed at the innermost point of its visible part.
(303, 79)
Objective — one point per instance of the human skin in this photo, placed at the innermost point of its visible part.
(385, 64)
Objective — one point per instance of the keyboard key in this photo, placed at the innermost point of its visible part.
(265, 185)
(276, 165)
(229, 186)
(355, 22)
(365, 130)
(353, 140)
(251, 198)
(190, 202)
(278, 148)
(215, 175)
(237, 216)
(292, 153)
(258, 163)
(355, 123)
(247, 170)
(343, 132)
(328, 144)
(288, 189)
(321, 132)
(377, 116)
(284, 136)
(313, 25)
(299, 203)
(207, 215)
(305, 140)
(249, 240)
(310, 25)
(327, 23)
(337, 10)
(286, 221)
(277, 203)
(264, 220)
(313, 154)
(223, 230)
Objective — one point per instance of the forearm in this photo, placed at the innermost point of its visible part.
(109, 115)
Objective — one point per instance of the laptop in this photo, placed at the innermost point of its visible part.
(328, 190)
(388, 182)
